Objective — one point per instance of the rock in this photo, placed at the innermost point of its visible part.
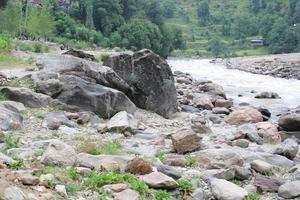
(122, 122)
(290, 121)
(186, 140)
(222, 103)
(189, 109)
(241, 143)
(265, 112)
(96, 98)
(127, 194)
(61, 190)
(242, 173)
(250, 131)
(84, 118)
(151, 79)
(289, 190)
(184, 80)
(119, 187)
(45, 179)
(244, 115)
(267, 95)
(52, 119)
(227, 174)
(213, 88)
(225, 190)
(59, 153)
(14, 193)
(71, 116)
(13, 105)
(9, 118)
(175, 160)
(202, 102)
(80, 54)
(26, 96)
(51, 87)
(268, 132)
(223, 111)
(200, 125)
(262, 166)
(288, 148)
(83, 170)
(267, 184)
(138, 166)
(23, 153)
(197, 195)
(158, 180)
(67, 130)
(28, 179)
(174, 172)
(2, 136)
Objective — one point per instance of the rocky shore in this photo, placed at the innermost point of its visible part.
(282, 65)
(130, 129)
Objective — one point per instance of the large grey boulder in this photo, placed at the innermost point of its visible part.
(289, 190)
(291, 120)
(151, 79)
(14, 193)
(93, 97)
(10, 118)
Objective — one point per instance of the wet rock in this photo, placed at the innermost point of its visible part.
(225, 190)
(267, 95)
(151, 79)
(262, 166)
(93, 97)
(122, 122)
(265, 112)
(138, 166)
(10, 118)
(14, 193)
(223, 103)
(290, 121)
(186, 140)
(242, 173)
(288, 148)
(158, 180)
(244, 115)
(289, 190)
(267, 184)
(268, 132)
(213, 88)
(241, 143)
(127, 194)
(26, 96)
(59, 153)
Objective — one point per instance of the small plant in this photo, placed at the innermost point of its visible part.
(162, 195)
(3, 97)
(104, 57)
(105, 196)
(11, 142)
(73, 188)
(72, 173)
(253, 197)
(237, 182)
(16, 165)
(38, 47)
(4, 43)
(161, 156)
(185, 186)
(109, 148)
(191, 161)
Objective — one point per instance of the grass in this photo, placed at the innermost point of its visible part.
(162, 195)
(16, 165)
(161, 156)
(191, 161)
(11, 141)
(3, 97)
(185, 186)
(237, 182)
(6, 59)
(253, 197)
(109, 148)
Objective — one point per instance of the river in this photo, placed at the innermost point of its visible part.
(237, 82)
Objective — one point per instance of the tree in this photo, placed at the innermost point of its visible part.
(244, 26)
(203, 12)
(129, 8)
(217, 47)
(154, 12)
(168, 8)
(11, 18)
(296, 15)
(3, 3)
(255, 6)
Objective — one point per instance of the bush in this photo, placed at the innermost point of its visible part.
(4, 44)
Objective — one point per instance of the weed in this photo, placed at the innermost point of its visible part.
(104, 57)
(11, 142)
(72, 173)
(3, 97)
(253, 197)
(161, 156)
(73, 188)
(105, 196)
(162, 195)
(16, 165)
(237, 182)
(109, 148)
(185, 186)
(191, 161)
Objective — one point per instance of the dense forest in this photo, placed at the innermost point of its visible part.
(190, 27)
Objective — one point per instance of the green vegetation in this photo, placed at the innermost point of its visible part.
(237, 182)
(253, 197)
(161, 156)
(191, 161)
(94, 148)
(3, 97)
(16, 165)
(11, 141)
(162, 195)
(185, 186)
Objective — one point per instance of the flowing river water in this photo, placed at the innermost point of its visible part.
(241, 83)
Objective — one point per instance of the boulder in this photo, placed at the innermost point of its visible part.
(51, 87)
(13, 105)
(202, 101)
(151, 79)
(138, 166)
(242, 173)
(93, 97)
(127, 194)
(225, 190)
(158, 180)
(10, 118)
(289, 190)
(122, 122)
(267, 95)
(80, 54)
(59, 153)
(290, 121)
(268, 132)
(288, 148)
(186, 140)
(26, 96)
(200, 125)
(174, 172)
(261, 166)
(267, 184)
(244, 115)
(53, 120)
(223, 103)
(243, 143)
(213, 88)
(250, 132)
(14, 193)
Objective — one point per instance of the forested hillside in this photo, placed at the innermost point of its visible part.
(184, 27)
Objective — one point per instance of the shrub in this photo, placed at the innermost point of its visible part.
(109, 148)
(4, 44)
(191, 161)
(38, 48)
(16, 165)
(11, 142)
(162, 195)
(185, 186)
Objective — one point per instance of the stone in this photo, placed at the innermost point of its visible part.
(127, 194)
(59, 153)
(222, 111)
(174, 172)
(243, 115)
(45, 179)
(151, 79)
(213, 88)
(83, 170)
(6, 158)
(175, 160)
(268, 132)
(227, 174)
(265, 112)
(225, 190)
(200, 125)
(290, 121)
(28, 179)
(80, 54)
(13, 105)
(138, 166)
(119, 187)
(71, 115)
(111, 166)
(267, 95)
(10, 118)
(93, 97)
(14, 193)
(202, 101)
(242, 173)
(250, 131)
(186, 140)
(198, 194)
(288, 148)
(159, 180)
(267, 184)
(26, 96)
(51, 119)
(102, 128)
(184, 80)
(51, 87)
(61, 190)
(23, 153)
(122, 122)
(241, 143)
(2, 136)
(261, 166)
(84, 118)
(289, 190)
(222, 103)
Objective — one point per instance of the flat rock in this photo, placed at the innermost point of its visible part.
(122, 122)
(186, 140)
(159, 180)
